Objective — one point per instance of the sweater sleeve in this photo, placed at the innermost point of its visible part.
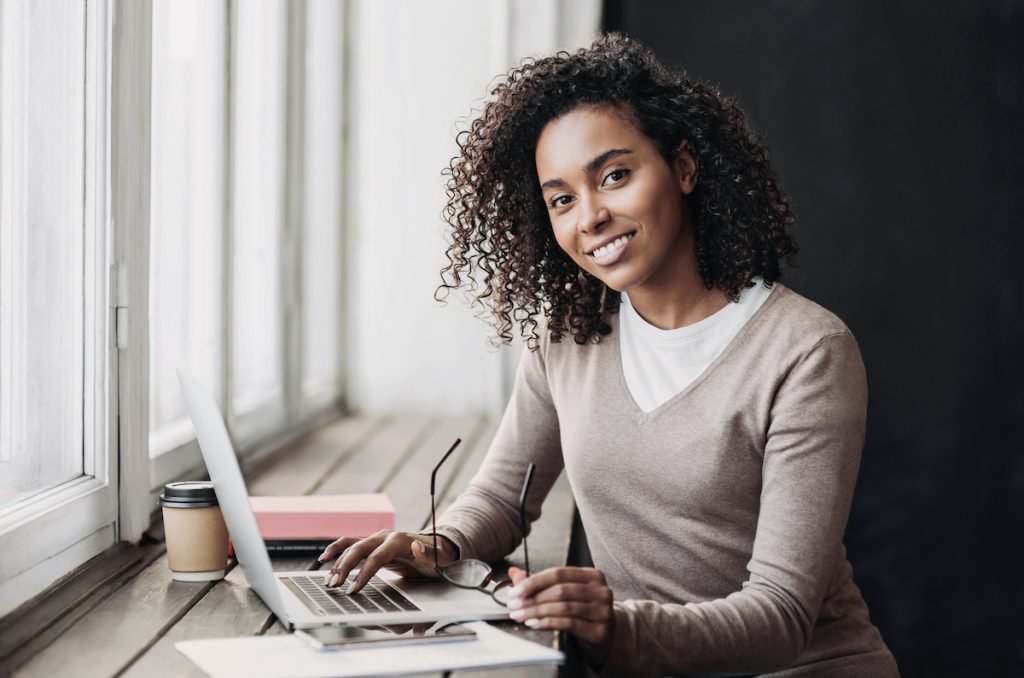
(483, 522)
(811, 458)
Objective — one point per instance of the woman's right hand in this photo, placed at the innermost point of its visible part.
(407, 553)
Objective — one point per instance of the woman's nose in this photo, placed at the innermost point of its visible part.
(592, 216)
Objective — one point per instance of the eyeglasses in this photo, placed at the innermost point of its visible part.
(471, 573)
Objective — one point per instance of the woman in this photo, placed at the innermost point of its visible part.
(709, 419)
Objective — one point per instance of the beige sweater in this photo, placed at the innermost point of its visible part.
(718, 517)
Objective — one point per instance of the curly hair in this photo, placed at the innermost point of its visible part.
(502, 249)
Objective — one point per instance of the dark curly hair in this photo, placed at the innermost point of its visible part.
(503, 249)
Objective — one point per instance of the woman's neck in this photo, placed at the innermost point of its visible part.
(682, 301)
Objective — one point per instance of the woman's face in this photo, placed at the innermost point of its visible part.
(616, 207)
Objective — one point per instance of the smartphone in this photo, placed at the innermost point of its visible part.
(342, 637)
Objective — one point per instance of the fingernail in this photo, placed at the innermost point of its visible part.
(517, 614)
(532, 623)
(322, 557)
(351, 586)
(334, 579)
(516, 591)
(514, 603)
(327, 578)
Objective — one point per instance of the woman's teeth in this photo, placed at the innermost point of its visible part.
(612, 246)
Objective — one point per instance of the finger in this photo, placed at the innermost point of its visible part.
(348, 560)
(336, 547)
(590, 612)
(588, 631)
(423, 560)
(516, 575)
(556, 575)
(385, 553)
(586, 593)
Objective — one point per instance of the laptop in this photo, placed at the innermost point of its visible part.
(299, 599)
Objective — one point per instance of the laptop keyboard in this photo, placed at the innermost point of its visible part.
(376, 596)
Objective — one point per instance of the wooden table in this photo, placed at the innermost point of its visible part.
(125, 618)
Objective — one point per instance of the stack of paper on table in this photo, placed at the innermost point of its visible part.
(291, 656)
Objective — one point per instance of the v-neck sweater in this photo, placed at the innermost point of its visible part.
(717, 518)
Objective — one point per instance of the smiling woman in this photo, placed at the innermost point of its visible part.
(620, 211)
(713, 443)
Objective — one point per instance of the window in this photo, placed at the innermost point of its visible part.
(55, 361)
(138, 235)
(322, 206)
(245, 218)
(187, 213)
(43, 232)
(257, 228)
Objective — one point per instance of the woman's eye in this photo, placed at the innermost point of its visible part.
(615, 176)
(560, 201)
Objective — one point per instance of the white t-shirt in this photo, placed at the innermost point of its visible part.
(658, 364)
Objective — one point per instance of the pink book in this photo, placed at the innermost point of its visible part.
(322, 517)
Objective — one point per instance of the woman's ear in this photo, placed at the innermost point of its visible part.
(685, 167)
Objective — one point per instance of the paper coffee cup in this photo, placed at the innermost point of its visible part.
(197, 538)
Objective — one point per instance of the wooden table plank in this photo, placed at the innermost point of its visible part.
(299, 470)
(379, 459)
(229, 606)
(409, 488)
(119, 628)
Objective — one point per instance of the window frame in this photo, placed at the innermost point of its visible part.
(51, 533)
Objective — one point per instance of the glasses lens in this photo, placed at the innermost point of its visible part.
(470, 572)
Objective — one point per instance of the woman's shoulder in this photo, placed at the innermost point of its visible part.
(790, 319)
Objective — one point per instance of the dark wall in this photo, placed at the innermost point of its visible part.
(896, 127)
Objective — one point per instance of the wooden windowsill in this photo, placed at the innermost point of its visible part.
(121, 613)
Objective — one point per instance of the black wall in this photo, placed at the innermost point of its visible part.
(897, 130)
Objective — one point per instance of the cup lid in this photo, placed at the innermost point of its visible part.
(189, 494)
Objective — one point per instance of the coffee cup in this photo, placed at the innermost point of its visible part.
(197, 538)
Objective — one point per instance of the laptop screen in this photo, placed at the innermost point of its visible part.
(232, 495)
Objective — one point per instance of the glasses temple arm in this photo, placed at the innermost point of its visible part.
(522, 513)
(433, 505)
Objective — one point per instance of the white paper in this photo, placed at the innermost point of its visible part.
(288, 656)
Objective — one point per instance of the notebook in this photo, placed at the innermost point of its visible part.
(298, 598)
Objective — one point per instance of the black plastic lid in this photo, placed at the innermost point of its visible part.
(189, 494)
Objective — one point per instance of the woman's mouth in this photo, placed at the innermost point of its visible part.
(606, 255)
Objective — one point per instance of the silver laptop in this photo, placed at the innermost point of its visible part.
(298, 598)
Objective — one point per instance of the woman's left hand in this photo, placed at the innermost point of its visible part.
(573, 599)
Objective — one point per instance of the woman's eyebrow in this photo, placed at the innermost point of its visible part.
(592, 166)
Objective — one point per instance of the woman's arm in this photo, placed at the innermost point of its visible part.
(811, 457)
(483, 522)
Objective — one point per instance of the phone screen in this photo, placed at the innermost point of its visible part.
(337, 637)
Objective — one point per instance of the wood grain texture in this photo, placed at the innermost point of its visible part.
(74, 599)
(367, 470)
(466, 462)
(298, 469)
(409, 487)
(115, 631)
(230, 608)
